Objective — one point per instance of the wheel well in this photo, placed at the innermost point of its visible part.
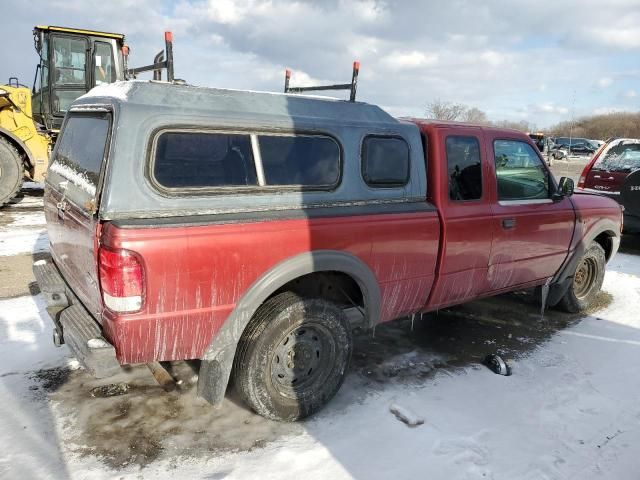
(604, 240)
(335, 286)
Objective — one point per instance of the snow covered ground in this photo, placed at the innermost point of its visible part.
(571, 408)
(22, 224)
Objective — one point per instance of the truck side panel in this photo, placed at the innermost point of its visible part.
(195, 275)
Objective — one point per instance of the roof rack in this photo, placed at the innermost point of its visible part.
(340, 86)
(159, 61)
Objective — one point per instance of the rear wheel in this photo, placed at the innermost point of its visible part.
(292, 357)
(11, 172)
(587, 280)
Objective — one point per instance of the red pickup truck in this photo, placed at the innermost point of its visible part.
(239, 228)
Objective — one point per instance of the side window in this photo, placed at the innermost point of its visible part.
(80, 151)
(312, 161)
(385, 161)
(103, 68)
(465, 170)
(521, 175)
(200, 160)
(44, 74)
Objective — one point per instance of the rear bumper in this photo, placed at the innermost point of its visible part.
(73, 325)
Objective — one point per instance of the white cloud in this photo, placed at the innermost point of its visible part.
(407, 60)
(605, 82)
(630, 94)
(617, 37)
(493, 58)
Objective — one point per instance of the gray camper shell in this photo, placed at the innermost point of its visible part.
(142, 110)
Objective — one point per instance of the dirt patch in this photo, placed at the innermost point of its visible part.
(51, 379)
(147, 422)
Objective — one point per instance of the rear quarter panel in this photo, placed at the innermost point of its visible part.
(195, 275)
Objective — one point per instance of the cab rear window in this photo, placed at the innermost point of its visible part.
(80, 151)
(620, 156)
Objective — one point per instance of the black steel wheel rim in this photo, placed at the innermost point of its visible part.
(585, 277)
(302, 360)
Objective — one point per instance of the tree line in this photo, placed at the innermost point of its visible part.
(604, 126)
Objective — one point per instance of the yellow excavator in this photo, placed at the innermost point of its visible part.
(72, 62)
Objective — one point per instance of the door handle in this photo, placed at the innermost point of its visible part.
(508, 223)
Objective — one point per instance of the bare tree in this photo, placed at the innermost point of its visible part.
(475, 115)
(441, 110)
(616, 124)
(521, 125)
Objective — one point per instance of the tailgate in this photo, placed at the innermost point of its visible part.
(71, 195)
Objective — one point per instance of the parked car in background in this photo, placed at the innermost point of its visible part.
(615, 172)
(563, 146)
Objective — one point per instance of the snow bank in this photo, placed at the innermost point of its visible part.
(25, 342)
(117, 90)
(26, 240)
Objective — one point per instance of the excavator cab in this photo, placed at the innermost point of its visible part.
(72, 62)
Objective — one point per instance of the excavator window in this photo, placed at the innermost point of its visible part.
(69, 61)
(103, 67)
(68, 64)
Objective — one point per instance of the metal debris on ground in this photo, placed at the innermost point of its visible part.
(497, 364)
(110, 390)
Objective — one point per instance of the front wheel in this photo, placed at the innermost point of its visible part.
(292, 357)
(587, 280)
(11, 172)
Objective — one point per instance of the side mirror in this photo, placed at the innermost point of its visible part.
(565, 187)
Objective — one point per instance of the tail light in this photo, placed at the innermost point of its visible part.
(121, 280)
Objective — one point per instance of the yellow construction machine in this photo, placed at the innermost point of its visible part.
(72, 61)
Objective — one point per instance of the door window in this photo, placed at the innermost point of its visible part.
(69, 61)
(521, 174)
(465, 171)
(103, 68)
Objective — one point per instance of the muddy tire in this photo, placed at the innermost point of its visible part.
(11, 172)
(292, 357)
(587, 280)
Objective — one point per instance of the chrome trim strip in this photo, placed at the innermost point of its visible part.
(593, 190)
(536, 201)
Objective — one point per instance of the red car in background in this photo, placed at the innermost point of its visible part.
(614, 171)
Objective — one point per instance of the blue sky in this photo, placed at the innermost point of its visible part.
(542, 61)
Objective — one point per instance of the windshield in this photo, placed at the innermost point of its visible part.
(620, 156)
